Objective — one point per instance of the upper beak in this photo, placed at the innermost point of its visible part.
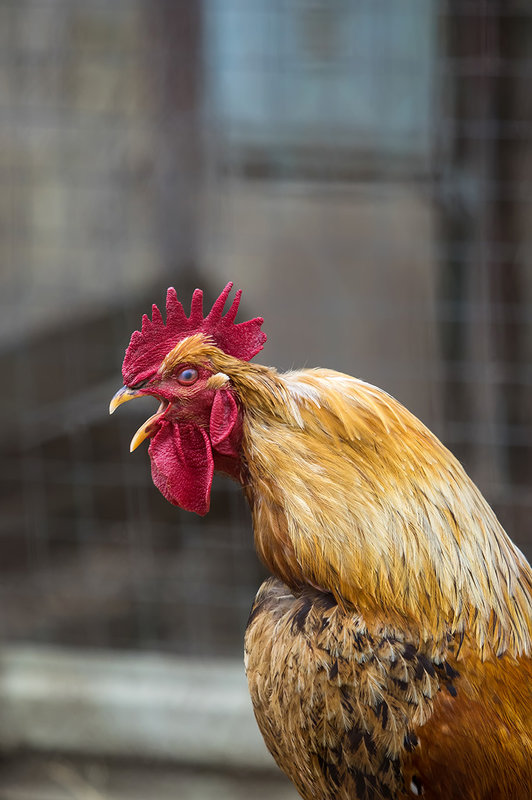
(122, 396)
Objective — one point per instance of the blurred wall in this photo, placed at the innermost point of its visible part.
(362, 171)
(335, 270)
(76, 154)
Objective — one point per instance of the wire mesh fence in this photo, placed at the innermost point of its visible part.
(362, 171)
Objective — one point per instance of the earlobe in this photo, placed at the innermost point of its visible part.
(224, 416)
(217, 381)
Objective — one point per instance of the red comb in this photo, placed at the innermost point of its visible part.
(150, 345)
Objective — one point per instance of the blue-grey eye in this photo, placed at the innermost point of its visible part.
(188, 376)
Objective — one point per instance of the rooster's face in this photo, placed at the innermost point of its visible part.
(198, 425)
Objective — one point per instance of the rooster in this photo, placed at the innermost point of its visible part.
(389, 655)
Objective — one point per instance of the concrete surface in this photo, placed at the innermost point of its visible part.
(48, 778)
(129, 706)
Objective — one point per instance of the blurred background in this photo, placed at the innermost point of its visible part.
(362, 169)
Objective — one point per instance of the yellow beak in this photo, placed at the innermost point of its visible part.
(122, 396)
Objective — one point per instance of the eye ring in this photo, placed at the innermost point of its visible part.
(188, 376)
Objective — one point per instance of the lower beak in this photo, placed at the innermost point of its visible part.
(147, 429)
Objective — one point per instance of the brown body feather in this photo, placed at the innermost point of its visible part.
(351, 709)
(392, 655)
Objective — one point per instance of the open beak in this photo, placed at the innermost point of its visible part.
(146, 429)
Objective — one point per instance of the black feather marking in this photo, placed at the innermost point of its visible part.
(257, 608)
(450, 671)
(371, 780)
(386, 792)
(300, 616)
(322, 763)
(333, 672)
(370, 744)
(327, 600)
(347, 705)
(360, 784)
(382, 711)
(410, 742)
(329, 770)
(409, 651)
(424, 664)
(403, 685)
(334, 775)
(354, 737)
(346, 699)
(452, 690)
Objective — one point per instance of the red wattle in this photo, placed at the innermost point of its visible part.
(182, 465)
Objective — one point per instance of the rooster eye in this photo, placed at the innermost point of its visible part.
(188, 376)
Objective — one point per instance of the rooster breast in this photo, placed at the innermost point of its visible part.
(353, 712)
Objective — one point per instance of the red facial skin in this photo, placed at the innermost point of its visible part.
(199, 431)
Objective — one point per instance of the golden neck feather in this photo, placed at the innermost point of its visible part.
(352, 494)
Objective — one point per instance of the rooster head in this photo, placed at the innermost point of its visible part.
(198, 425)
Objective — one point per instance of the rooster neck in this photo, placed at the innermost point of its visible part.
(351, 494)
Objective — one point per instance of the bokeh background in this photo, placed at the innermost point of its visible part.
(362, 169)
